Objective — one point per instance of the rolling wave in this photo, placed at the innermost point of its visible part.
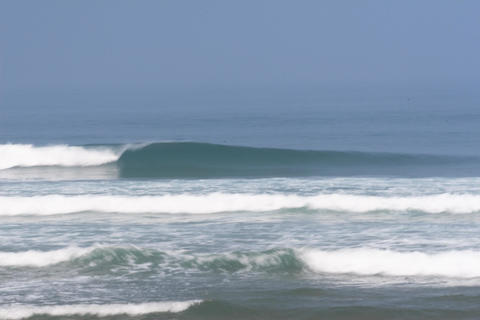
(223, 202)
(13, 312)
(204, 160)
(102, 258)
(359, 261)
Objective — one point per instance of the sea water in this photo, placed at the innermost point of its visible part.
(281, 206)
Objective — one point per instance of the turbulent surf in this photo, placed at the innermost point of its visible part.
(190, 230)
(239, 202)
(360, 261)
(205, 160)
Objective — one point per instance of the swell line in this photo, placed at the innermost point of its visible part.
(236, 202)
(14, 312)
(205, 160)
(360, 261)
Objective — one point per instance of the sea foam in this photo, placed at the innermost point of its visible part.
(364, 261)
(222, 202)
(27, 155)
(101, 310)
(105, 257)
(359, 261)
(36, 258)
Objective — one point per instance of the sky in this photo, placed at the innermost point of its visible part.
(155, 45)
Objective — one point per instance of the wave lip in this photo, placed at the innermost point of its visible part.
(14, 312)
(223, 202)
(364, 261)
(36, 258)
(27, 155)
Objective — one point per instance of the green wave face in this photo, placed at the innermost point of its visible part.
(203, 160)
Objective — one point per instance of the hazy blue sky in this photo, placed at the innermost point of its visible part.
(78, 45)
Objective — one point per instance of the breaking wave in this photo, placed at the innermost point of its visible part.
(223, 202)
(41, 258)
(103, 258)
(101, 310)
(204, 160)
(27, 155)
(362, 261)
(359, 261)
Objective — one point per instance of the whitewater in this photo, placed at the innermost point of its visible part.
(192, 230)
(360, 261)
(193, 160)
(27, 155)
(220, 202)
(26, 311)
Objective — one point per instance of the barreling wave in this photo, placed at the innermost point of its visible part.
(222, 202)
(26, 155)
(359, 261)
(14, 312)
(204, 160)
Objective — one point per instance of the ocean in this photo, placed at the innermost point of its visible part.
(226, 205)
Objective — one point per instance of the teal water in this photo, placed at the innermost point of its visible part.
(318, 209)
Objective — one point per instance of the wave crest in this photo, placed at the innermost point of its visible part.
(360, 261)
(222, 202)
(102, 258)
(42, 258)
(205, 160)
(26, 311)
(27, 155)
(363, 261)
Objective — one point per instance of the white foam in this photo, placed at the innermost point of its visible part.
(221, 202)
(25, 311)
(362, 261)
(42, 258)
(27, 155)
